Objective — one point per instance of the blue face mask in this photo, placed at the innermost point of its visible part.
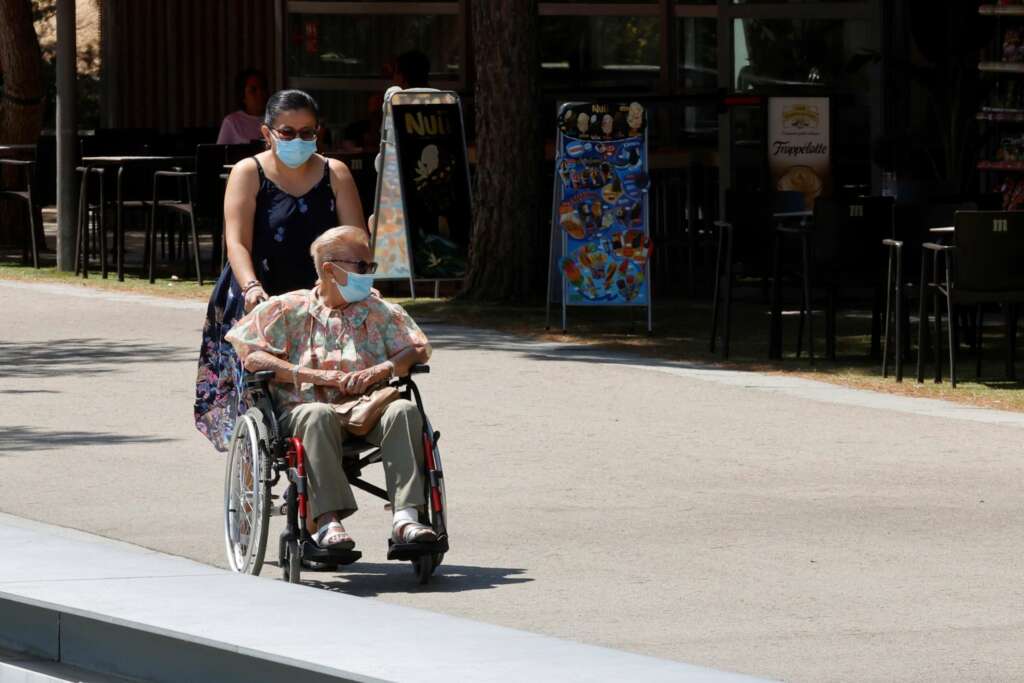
(356, 289)
(294, 153)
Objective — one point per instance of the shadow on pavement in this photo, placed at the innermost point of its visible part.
(369, 579)
(81, 356)
(462, 339)
(20, 392)
(32, 439)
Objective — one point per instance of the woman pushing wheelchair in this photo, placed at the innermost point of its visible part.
(326, 345)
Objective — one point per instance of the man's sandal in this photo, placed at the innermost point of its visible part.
(332, 536)
(412, 532)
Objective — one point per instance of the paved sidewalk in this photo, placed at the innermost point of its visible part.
(778, 527)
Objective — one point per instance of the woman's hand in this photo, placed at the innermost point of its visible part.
(254, 296)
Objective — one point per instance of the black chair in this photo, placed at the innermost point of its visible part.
(839, 253)
(982, 266)
(197, 199)
(749, 214)
(22, 192)
(235, 153)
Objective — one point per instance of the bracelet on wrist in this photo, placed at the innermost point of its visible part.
(251, 284)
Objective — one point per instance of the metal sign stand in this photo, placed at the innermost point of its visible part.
(391, 153)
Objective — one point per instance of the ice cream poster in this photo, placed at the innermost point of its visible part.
(434, 173)
(799, 146)
(600, 198)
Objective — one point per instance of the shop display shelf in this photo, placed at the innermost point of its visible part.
(1002, 67)
(1002, 10)
(1016, 166)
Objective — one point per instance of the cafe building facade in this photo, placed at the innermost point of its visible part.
(703, 68)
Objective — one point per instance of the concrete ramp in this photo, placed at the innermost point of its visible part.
(118, 609)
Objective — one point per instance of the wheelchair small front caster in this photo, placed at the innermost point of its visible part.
(291, 563)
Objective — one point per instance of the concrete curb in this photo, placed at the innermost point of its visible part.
(113, 608)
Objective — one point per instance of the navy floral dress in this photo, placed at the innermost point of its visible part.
(284, 227)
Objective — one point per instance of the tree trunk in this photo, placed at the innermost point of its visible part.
(508, 150)
(21, 96)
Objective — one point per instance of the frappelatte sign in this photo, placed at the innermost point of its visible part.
(799, 155)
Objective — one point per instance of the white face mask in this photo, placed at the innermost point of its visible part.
(356, 288)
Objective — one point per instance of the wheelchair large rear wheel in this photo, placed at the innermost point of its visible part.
(247, 494)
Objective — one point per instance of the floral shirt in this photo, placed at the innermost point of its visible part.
(297, 325)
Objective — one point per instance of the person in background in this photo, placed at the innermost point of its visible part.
(410, 70)
(244, 125)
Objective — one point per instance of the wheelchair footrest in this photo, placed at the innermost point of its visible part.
(311, 552)
(410, 551)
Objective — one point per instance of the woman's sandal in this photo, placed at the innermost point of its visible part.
(412, 532)
(332, 536)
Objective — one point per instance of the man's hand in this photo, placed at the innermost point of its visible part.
(358, 382)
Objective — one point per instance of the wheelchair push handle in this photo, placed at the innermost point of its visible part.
(255, 379)
(419, 369)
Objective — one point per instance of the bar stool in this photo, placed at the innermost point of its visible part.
(91, 233)
(25, 195)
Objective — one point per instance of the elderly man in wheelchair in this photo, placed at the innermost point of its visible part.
(312, 351)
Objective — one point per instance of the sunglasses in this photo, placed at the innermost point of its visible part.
(362, 267)
(286, 133)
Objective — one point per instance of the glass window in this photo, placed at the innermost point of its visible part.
(790, 2)
(365, 45)
(697, 41)
(352, 115)
(600, 51)
(771, 53)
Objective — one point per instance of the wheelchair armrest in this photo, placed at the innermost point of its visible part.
(257, 378)
(417, 369)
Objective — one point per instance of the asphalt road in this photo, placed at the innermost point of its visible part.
(806, 534)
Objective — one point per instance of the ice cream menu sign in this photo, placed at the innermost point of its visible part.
(600, 204)
(799, 146)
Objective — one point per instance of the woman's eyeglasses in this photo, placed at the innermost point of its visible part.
(286, 133)
(362, 267)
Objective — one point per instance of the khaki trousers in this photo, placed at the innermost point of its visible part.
(399, 435)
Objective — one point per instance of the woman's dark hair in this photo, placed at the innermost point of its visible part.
(290, 100)
(242, 78)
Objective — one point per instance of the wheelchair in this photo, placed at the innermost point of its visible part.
(260, 455)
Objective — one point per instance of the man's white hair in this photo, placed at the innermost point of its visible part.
(336, 243)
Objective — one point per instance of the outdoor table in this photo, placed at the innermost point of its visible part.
(120, 162)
